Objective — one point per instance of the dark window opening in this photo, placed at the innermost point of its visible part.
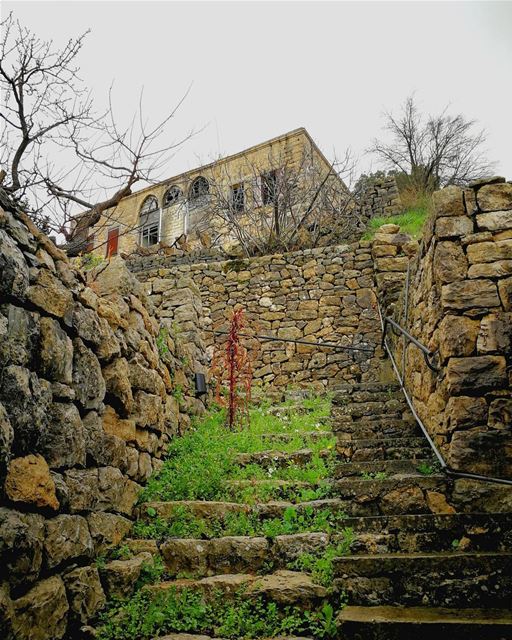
(200, 187)
(171, 196)
(238, 198)
(269, 187)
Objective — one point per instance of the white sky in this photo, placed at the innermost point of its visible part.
(259, 69)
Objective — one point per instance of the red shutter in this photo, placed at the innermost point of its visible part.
(112, 242)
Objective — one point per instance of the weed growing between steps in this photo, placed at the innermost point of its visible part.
(146, 616)
(183, 524)
(202, 462)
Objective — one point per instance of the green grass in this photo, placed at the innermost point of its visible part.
(147, 616)
(410, 222)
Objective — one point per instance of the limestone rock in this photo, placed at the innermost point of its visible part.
(463, 412)
(453, 226)
(21, 545)
(489, 251)
(237, 554)
(495, 221)
(449, 202)
(87, 324)
(495, 335)
(392, 264)
(6, 438)
(496, 269)
(408, 500)
(450, 263)
(185, 555)
(19, 337)
(119, 427)
(14, 274)
(480, 372)
(85, 593)
(121, 575)
(56, 352)
(479, 450)
(457, 336)
(500, 413)
(64, 442)
(82, 489)
(67, 538)
(107, 529)
(495, 197)
(41, 614)
(49, 294)
(114, 278)
(88, 381)
(505, 291)
(287, 588)
(28, 480)
(468, 294)
(437, 503)
(118, 384)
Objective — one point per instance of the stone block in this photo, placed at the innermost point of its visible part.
(500, 413)
(49, 294)
(21, 547)
(450, 263)
(496, 269)
(453, 226)
(495, 197)
(484, 373)
(495, 335)
(63, 444)
(494, 221)
(489, 251)
(88, 381)
(85, 594)
(121, 575)
(117, 383)
(464, 412)
(457, 336)
(28, 481)
(19, 336)
(469, 294)
(14, 273)
(55, 353)
(107, 529)
(449, 202)
(82, 489)
(42, 613)
(67, 539)
(505, 291)
(392, 264)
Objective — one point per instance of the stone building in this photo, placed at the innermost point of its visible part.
(208, 202)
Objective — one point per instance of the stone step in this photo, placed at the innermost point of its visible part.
(305, 435)
(282, 587)
(278, 459)
(352, 470)
(358, 410)
(189, 636)
(383, 449)
(389, 427)
(477, 579)
(423, 623)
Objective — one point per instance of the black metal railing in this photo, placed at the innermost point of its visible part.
(386, 322)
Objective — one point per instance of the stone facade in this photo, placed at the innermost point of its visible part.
(88, 404)
(316, 295)
(460, 305)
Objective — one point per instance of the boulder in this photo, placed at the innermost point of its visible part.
(41, 614)
(82, 489)
(67, 538)
(87, 324)
(19, 335)
(28, 481)
(495, 221)
(14, 273)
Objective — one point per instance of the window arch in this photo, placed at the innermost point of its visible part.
(172, 195)
(149, 222)
(199, 188)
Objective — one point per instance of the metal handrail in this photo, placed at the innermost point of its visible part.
(444, 466)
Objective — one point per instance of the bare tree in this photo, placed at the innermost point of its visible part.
(275, 203)
(433, 151)
(48, 113)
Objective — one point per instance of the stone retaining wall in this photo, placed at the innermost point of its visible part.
(380, 198)
(460, 304)
(91, 391)
(317, 295)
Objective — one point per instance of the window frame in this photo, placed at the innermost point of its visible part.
(237, 203)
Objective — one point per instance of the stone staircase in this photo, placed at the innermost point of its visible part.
(420, 559)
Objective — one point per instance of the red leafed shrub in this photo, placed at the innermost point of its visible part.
(232, 371)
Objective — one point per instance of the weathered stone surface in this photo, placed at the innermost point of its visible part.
(463, 412)
(404, 500)
(495, 221)
(392, 264)
(500, 413)
(453, 226)
(481, 372)
(26, 399)
(19, 335)
(49, 294)
(87, 324)
(122, 428)
(41, 614)
(437, 503)
(117, 382)
(495, 197)
(287, 588)
(489, 251)
(495, 335)
(82, 489)
(85, 593)
(291, 547)
(88, 381)
(450, 263)
(107, 529)
(145, 379)
(478, 450)
(505, 291)
(121, 575)
(185, 555)
(457, 336)
(237, 554)
(63, 444)
(490, 269)
(28, 480)
(56, 352)
(21, 545)
(469, 294)
(148, 410)
(67, 538)
(449, 202)
(14, 274)
(6, 438)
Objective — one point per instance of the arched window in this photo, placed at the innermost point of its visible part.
(199, 188)
(149, 222)
(172, 195)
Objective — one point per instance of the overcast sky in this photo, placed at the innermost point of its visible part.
(259, 69)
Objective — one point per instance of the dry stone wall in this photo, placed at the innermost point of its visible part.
(88, 404)
(460, 305)
(381, 198)
(316, 295)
